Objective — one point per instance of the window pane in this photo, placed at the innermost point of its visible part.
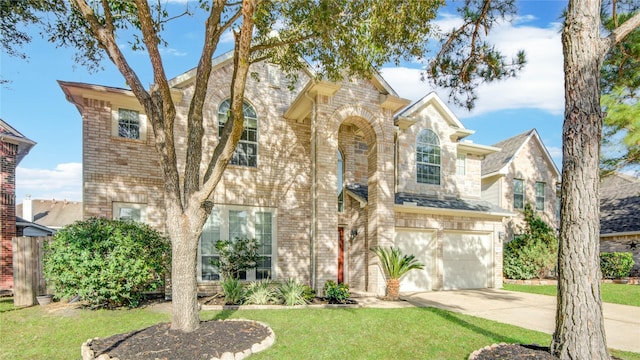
(237, 224)
(428, 157)
(129, 214)
(208, 239)
(539, 196)
(264, 235)
(518, 194)
(128, 124)
(248, 140)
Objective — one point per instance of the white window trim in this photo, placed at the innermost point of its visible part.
(417, 163)
(224, 229)
(116, 206)
(461, 158)
(513, 198)
(544, 195)
(115, 118)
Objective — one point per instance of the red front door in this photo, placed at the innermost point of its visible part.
(340, 255)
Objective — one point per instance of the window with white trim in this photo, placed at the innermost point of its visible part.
(461, 164)
(428, 157)
(229, 222)
(129, 211)
(540, 196)
(518, 194)
(128, 124)
(246, 153)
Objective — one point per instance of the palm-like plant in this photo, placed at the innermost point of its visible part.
(395, 264)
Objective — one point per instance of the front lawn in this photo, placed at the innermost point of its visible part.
(612, 293)
(56, 332)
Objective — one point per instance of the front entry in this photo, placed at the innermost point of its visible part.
(340, 255)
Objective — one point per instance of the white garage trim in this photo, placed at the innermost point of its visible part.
(422, 244)
(467, 260)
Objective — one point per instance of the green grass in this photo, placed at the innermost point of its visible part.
(611, 293)
(412, 333)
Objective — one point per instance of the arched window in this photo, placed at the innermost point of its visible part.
(428, 157)
(246, 153)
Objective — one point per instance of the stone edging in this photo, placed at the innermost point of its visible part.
(474, 354)
(88, 354)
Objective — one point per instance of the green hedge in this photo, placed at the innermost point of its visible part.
(108, 263)
(616, 265)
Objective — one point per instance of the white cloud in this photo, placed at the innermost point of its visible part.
(172, 52)
(539, 86)
(63, 182)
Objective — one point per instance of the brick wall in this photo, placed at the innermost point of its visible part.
(8, 153)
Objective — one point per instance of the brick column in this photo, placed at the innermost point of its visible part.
(8, 158)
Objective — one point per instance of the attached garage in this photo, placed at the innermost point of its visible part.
(467, 260)
(422, 245)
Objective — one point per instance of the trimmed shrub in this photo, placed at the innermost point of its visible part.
(616, 265)
(336, 293)
(108, 263)
(235, 256)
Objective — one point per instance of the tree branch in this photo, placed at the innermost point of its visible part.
(623, 30)
(195, 118)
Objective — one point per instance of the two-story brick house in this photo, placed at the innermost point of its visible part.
(322, 173)
(14, 146)
(522, 172)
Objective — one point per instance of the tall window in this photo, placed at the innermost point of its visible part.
(238, 222)
(340, 182)
(461, 164)
(540, 196)
(428, 157)
(246, 153)
(128, 124)
(518, 194)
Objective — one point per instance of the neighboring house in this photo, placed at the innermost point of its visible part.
(53, 214)
(620, 216)
(522, 172)
(321, 174)
(31, 229)
(13, 148)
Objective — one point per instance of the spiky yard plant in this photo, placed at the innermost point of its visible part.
(260, 292)
(395, 264)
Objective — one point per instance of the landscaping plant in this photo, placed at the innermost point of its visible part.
(395, 265)
(534, 253)
(294, 293)
(237, 255)
(260, 292)
(233, 291)
(616, 265)
(336, 293)
(108, 263)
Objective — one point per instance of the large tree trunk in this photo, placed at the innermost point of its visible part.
(184, 230)
(579, 332)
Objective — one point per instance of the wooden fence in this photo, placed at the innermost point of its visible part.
(28, 278)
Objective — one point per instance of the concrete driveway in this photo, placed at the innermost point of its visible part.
(530, 311)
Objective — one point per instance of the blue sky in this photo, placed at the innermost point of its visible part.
(35, 105)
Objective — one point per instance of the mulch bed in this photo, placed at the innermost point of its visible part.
(513, 351)
(211, 339)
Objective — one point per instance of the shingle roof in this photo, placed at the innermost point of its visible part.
(432, 202)
(54, 213)
(24, 143)
(496, 161)
(451, 204)
(619, 204)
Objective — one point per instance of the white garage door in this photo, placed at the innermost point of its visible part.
(466, 260)
(421, 244)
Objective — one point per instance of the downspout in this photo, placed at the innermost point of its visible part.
(314, 187)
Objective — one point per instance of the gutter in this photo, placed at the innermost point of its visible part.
(314, 187)
(441, 211)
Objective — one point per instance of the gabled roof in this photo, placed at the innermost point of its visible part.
(498, 163)
(619, 205)
(435, 100)
(11, 135)
(54, 213)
